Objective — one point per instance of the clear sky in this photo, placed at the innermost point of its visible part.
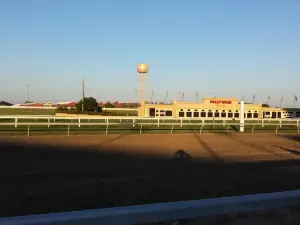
(231, 48)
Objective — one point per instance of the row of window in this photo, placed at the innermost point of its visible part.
(216, 114)
(222, 114)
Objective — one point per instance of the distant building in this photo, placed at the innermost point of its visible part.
(209, 108)
(66, 104)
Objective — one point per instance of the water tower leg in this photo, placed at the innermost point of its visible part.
(142, 86)
(147, 86)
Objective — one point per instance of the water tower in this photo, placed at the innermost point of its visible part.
(142, 70)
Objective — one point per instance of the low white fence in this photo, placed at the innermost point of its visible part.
(119, 109)
(54, 107)
(161, 212)
(27, 107)
(172, 126)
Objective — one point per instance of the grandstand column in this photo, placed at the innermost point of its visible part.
(242, 113)
(16, 122)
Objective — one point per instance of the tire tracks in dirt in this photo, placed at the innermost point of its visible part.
(207, 148)
(254, 146)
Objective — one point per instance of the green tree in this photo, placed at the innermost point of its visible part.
(61, 109)
(90, 105)
(109, 105)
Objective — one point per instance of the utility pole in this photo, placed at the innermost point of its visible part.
(82, 95)
(28, 93)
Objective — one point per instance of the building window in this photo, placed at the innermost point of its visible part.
(223, 114)
(189, 110)
(267, 113)
(203, 114)
(278, 114)
(236, 115)
(196, 114)
(169, 113)
(209, 114)
(217, 114)
(274, 115)
(181, 109)
(196, 110)
(189, 114)
(156, 114)
(181, 114)
(152, 112)
(230, 115)
(255, 115)
(249, 115)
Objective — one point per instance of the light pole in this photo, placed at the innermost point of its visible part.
(28, 93)
(82, 106)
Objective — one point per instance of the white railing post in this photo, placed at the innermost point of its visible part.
(180, 122)
(277, 129)
(280, 123)
(106, 132)
(224, 123)
(28, 131)
(78, 122)
(262, 123)
(228, 128)
(16, 122)
(133, 122)
(253, 129)
(141, 129)
(69, 130)
(158, 122)
(242, 119)
(201, 128)
(48, 121)
(172, 129)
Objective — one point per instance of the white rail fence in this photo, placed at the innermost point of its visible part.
(174, 211)
(140, 125)
(54, 107)
(172, 124)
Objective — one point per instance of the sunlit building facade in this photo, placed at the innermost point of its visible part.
(215, 108)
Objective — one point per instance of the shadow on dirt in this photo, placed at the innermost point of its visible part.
(234, 128)
(207, 148)
(182, 156)
(41, 178)
(295, 152)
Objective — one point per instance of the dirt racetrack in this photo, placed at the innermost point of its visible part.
(60, 173)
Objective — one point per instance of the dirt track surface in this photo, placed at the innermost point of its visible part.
(59, 173)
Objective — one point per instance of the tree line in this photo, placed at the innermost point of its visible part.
(91, 106)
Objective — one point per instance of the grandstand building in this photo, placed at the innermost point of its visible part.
(215, 108)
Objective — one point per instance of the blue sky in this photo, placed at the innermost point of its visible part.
(231, 48)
